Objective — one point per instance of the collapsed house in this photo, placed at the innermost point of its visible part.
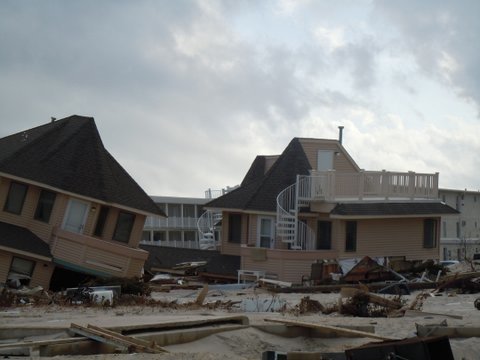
(67, 205)
(313, 204)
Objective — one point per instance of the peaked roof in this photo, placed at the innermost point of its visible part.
(259, 190)
(393, 209)
(19, 238)
(69, 155)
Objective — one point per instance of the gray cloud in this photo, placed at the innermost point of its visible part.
(185, 100)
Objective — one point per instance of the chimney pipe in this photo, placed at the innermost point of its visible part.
(340, 134)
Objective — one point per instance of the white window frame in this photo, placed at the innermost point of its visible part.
(272, 231)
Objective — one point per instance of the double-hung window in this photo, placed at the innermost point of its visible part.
(15, 198)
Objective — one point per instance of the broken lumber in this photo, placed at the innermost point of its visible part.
(413, 313)
(37, 343)
(376, 299)
(125, 343)
(332, 329)
(202, 295)
(445, 330)
(275, 283)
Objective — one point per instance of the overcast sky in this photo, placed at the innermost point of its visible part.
(185, 94)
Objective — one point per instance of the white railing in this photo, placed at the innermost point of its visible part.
(288, 229)
(332, 185)
(175, 222)
(206, 226)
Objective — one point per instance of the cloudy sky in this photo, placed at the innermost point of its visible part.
(186, 93)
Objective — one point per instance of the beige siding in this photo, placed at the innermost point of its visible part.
(5, 261)
(285, 265)
(137, 230)
(388, 237)
(75, 252)
(41, 273)
(341, 162)
(227, 247)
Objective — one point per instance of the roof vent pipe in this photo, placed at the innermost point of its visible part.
(340, 134)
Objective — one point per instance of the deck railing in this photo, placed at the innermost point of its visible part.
(384, 185)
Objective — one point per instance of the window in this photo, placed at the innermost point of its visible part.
(174, 210)
(145, 235)
(235, 228)
(189, 236)
(124, 226)
(159, 236)
(351, 236)
(21, 271)
(429, 233)
(324, 235)
(266, 232)
(175, 235)
(15, 198)
(188, 211)
(101, 221)
(45, 205)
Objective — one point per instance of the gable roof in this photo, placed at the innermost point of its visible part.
(392, 209)
(19, 238)
(259, 190)
(69, 155)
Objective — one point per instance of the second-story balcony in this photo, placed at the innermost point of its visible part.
(172, 222)
(335, 186)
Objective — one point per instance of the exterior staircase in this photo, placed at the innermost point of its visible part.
(289, 229)
(206, 225)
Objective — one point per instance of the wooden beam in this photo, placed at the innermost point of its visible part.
(22, 344)
(126, 343)
(332, 329)
(376, 299)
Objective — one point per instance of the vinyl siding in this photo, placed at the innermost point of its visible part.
(41, 273)
(341, 163)
(388, 237)
(5, 260)
(284, 265)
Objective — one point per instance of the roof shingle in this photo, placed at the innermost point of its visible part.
(69, 155)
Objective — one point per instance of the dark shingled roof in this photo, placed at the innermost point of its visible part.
(393, 209)
(19, 238)
(259, 191)
(68, 154)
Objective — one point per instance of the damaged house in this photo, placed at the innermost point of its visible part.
(67, 205)
(313, 203)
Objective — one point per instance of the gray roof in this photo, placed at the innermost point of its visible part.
(19, 238)
(69, 155)
(393, 209)
(259, 190)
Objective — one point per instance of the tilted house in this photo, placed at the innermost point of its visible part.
(313, 203)
(66, 203)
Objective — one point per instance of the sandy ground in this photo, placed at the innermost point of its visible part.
(249, 343)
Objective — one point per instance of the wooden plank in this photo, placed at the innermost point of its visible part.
(140, 342)
(450, 331)
(36, 343)
(202, 295)
(413, 313)
(275, 282)
(333, 329)
(123, 342)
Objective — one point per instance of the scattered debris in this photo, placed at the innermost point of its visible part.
(443, 329)
(425, 349)
(127, 344)
(332, 330)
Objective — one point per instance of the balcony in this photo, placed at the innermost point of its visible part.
(96, 256)
(332, 186)
(173, 222)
